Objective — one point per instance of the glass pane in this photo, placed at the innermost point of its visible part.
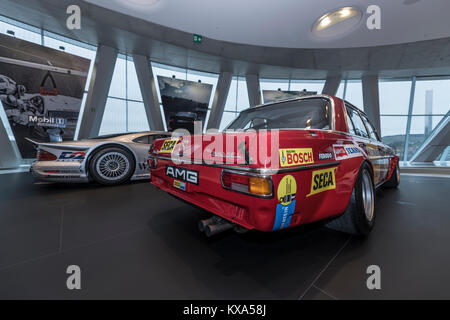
(227, 117)
(308, 85)
(20, 33)
(394, 97)
(432, 97)
(118, 82)
(137, 117)
(354, 93)
(114, 117)
(393, 132)
(230, 105)
(134, 91)
(340, 91)
(274, 84)
(421, 127)
(242, 95)
(360, 129)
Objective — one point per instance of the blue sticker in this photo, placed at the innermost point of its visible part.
(283, 216)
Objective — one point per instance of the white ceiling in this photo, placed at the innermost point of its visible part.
(287, 23)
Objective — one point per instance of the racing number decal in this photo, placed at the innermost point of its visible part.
(287, 189)
(323, 180)
(296, 157)
(168, 145)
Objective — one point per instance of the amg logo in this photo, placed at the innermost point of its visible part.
(182, 174)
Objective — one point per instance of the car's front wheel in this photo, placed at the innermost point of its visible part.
(394, 181)
(112, 166)
(359, 217)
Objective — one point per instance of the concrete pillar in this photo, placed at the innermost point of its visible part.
(149, 93)
(102, 72)
(332, 85)
(9, 158)
(254, 92)
(220, 98)
(371, 100)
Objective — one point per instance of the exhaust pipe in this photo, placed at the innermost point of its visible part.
(202, 224)
(216, 228)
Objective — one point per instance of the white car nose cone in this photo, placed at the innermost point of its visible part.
(337, 23)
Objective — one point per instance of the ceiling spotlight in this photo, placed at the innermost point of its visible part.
(337, 22)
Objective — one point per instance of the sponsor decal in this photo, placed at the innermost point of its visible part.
(325, 155)
(48, 121)
(186, 175)
(69, 155)
(296, 157)
(323, 180)
(287, 189)
(168, 145)
(346, 151)
(179, 185)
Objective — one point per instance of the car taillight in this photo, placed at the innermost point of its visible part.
(254, 185)
(45, 156)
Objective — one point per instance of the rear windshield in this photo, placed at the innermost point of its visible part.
(300, 114)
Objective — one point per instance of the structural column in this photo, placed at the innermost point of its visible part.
(254, 92)
(105, 61)
(332, 85)
(371, 100)
(149, 92)
(220, 98)
(8, 155)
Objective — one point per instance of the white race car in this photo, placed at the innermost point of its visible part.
(108, 160)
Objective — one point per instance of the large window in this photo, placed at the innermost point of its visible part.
(20, 30)
(124, 110)
(237, 101)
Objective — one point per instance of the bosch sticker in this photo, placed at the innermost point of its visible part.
(296, 157)
(69, 155)
(323, 180)
(168, 145)
(287, 189)
(346, 151)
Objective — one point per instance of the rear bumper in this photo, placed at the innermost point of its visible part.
(58, 171)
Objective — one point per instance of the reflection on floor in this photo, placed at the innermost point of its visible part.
(135, 241)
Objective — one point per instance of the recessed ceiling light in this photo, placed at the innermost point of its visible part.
(337, 22)
(143, 2)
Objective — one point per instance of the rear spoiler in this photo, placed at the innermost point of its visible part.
(55, 145)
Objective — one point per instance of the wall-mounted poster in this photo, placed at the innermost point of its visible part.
(184, 102)
(278, 95)
(41, 90)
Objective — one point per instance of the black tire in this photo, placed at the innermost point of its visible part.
(112, 166)
(355, 220)
(394, 181)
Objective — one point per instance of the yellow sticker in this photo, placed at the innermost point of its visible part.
(323, 180)
(168, 145)
(296, 157)
(287, 188)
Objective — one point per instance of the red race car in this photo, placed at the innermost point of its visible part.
(281, 165)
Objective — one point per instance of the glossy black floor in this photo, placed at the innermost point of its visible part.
(134, 241)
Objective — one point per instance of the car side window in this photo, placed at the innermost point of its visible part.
(372, 132)
(351, 126)
(360, 128)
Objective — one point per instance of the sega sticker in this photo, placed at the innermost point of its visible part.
(69, 155)
(295, 157)
(287, 189)
(179, 185)
(346, 151)
(168, 145)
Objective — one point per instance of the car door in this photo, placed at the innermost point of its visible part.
(363, 138)
(383, 157)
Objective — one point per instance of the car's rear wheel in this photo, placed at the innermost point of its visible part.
(394, 181)
(359, 217)
(112, 166)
